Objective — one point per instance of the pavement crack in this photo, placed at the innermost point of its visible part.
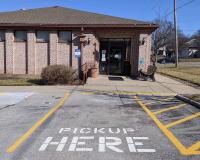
(11, 105)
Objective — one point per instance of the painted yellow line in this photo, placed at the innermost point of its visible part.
(147, 93)
(134, 93)
(168, 109)
(195, 146)
(182, 149)
(129, 92)
(162, 100)
(151, 102)
(36, 125)
(183, 120)
(141, 93)
(87, 93)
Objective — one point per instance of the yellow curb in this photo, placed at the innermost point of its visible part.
(13, 147)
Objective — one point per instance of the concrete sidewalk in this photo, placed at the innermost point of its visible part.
(175, 86)
(163, 85)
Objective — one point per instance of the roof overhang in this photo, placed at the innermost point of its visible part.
(28, 25)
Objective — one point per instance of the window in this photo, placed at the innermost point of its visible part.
(20, 36)
(42, 36)
(65, 36)
(2, 36)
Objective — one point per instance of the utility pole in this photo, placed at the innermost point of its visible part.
(176, 35)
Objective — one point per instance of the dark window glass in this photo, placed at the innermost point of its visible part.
(65, 36)
(2, 36)
(20, 35)
(42, 36)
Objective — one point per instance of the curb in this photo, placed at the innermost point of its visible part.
(187, 100)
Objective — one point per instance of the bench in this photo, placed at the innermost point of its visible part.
(149, 74)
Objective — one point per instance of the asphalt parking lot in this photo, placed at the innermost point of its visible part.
(81, 124)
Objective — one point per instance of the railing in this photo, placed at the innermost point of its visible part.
(84, 70)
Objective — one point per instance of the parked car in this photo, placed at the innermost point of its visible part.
(164, 59)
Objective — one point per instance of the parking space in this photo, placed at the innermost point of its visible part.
(176, 119)
(88, 124)
(8, 99)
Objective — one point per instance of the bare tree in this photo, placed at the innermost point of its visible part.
(197, 35)
(182, 39)
(164, 37)
(162, 34)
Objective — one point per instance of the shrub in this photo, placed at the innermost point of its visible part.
(57, 74)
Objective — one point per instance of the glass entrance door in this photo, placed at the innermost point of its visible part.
(114, 56)
(115, 60)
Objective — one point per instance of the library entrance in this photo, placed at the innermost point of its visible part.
(115, 56)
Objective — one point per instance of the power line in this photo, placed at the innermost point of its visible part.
(155, 4)
(185, 4)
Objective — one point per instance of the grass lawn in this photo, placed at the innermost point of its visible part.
(25, 80)
(19, 80)
(187, 73)
(189, 59)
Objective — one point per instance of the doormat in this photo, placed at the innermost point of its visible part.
(115, 78)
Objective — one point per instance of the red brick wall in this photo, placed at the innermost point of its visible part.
(63, 53)
(41, 56)
(31, 49)
(91, 50)
(19, 58)
(2, 57)
(53, 52)
(53, 47)
(9, 51)
(145, 51)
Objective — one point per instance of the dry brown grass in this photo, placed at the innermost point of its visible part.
(195, 97)
(19, 80)
(186, 73)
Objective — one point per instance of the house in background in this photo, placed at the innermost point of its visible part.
(165, 55)
(32, 39)
(162, 51)
(191, 49)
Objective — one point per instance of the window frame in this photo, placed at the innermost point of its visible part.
(42, 41)
(20, 40)
(4, 38)
(64, 41)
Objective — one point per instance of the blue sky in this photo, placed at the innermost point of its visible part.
(188, 16)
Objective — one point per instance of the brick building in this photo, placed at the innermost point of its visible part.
(32, 39)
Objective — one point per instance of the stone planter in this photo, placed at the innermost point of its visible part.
(94, 72)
